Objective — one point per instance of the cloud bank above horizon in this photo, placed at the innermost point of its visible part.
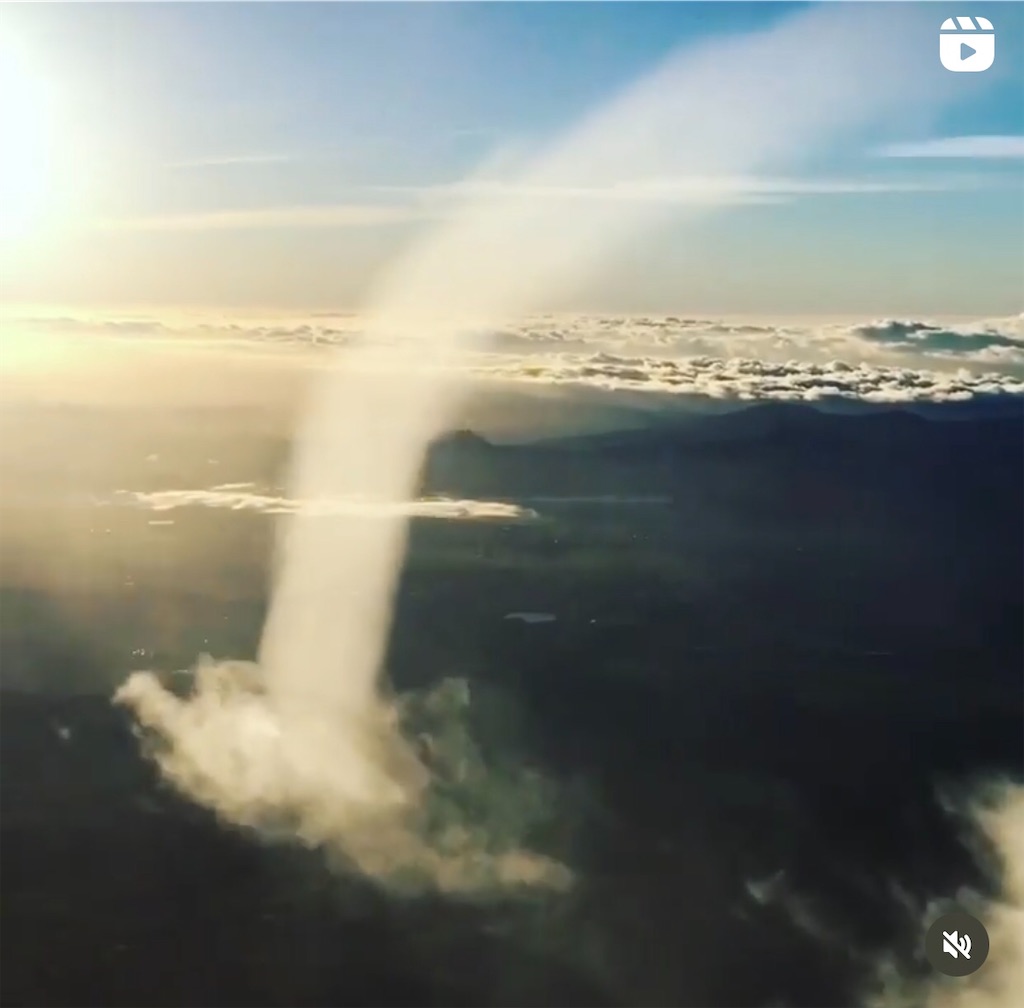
(883, 361)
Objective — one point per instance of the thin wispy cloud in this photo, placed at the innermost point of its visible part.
(959, 147)
(244, 497)
(484, 132)
(682, 189)
(338, 215)
(231, 160)
(433, 201)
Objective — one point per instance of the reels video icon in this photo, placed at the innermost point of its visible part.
(967, 45)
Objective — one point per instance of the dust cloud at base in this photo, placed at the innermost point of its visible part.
(444, 819)
(996, 812)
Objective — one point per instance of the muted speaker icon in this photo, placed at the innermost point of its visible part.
(956, 945)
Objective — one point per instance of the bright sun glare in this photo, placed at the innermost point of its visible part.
(26, 145)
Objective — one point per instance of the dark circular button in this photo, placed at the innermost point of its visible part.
(956, 944)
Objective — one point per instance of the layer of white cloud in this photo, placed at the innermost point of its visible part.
(959, 147)
(990, 344)
(747, 380)
(887, 360)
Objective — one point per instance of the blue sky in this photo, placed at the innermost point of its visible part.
(219, 151)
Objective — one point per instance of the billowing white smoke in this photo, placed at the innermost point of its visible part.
(354, 788)
(999, 982)
(306, 741)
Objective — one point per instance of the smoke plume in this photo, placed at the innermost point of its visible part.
(306, 742)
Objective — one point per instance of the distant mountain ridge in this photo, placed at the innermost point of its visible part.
(782, 443)
(762, 420)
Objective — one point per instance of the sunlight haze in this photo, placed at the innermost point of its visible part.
(267, 156)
